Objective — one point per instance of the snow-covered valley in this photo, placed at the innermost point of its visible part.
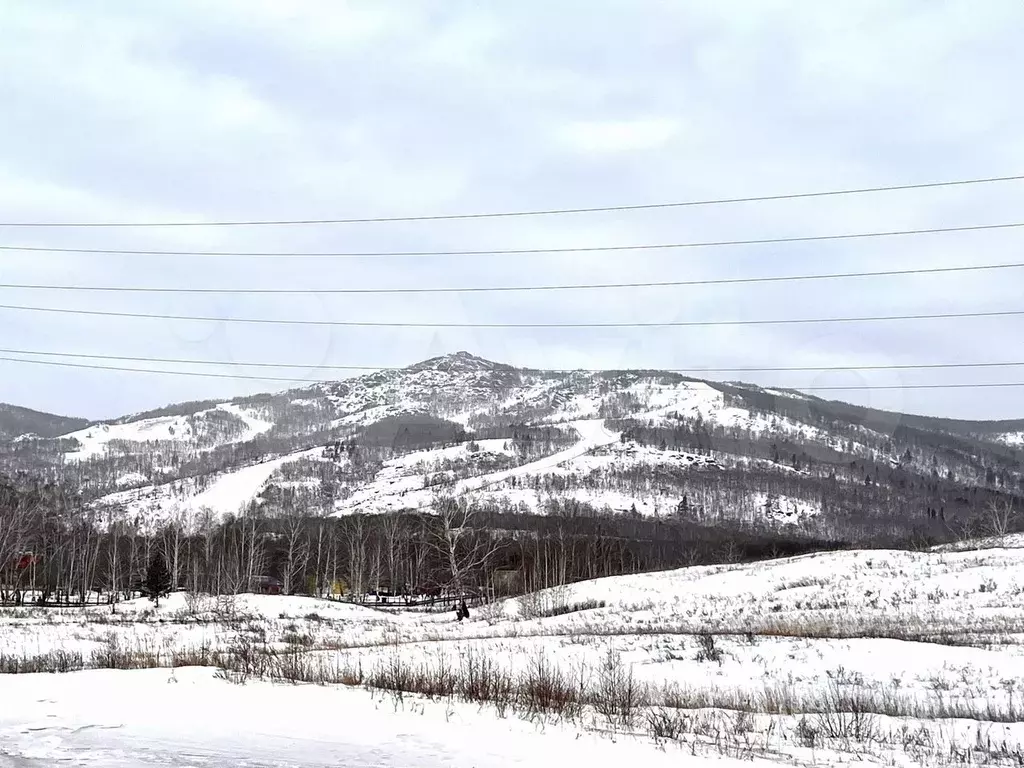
(878, 657)
(895, 640)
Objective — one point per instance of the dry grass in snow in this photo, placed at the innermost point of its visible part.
(896, 657)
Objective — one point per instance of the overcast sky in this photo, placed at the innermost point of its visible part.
(249, 109)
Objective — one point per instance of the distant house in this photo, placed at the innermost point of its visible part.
(20, 564)
(266, 585)
(26, 561)
(339, 588)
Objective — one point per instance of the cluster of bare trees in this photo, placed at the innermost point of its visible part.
(54, 552)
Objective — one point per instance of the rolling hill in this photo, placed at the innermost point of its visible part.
(644, 444)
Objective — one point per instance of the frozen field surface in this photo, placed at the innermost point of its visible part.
(115, 719)
(757, 662)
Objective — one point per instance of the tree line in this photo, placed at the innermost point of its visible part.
(54, 552)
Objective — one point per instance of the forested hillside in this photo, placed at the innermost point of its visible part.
(553, 475)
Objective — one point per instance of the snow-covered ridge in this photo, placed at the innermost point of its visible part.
(95, 440)
(704, 430)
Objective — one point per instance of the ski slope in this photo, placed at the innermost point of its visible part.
(255, 425)
(95, 440)
(234, 489)
(226, 494)
(390, 492)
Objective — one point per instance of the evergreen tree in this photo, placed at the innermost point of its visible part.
(158, 578)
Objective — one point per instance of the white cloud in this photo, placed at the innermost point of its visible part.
(619, 135)
(247, 109)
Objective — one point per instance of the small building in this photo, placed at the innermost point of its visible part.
(266, 585)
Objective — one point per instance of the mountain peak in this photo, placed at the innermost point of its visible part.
(459, 362)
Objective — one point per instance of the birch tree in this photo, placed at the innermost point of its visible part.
(462, 548)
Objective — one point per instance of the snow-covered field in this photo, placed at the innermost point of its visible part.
(753, 661)
(187, 717)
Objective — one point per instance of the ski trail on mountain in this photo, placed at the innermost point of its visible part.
(593, 435)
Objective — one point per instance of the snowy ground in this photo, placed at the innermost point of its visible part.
(187, 717)
(932, 641)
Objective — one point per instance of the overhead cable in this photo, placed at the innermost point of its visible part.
(692, 369)
(202, 374)
(400, 324)
(519, 251)
(520, 213)
(511, 288)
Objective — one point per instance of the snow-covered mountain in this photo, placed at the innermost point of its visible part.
(644, 443)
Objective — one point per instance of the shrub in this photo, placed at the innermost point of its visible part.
(562, 610)
(709, 650)
(618, 695)
(666, 723)
(297, 638)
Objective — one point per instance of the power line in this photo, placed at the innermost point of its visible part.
(201, 374)
(982, 385)
(519, 251)
(508, 214)
(63, 364)
(382, 324)
(509, 289)
(694, 369)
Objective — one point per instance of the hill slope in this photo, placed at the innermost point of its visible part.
(16, 421)
(638, 443)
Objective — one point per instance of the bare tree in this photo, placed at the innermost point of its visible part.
(319, 555)
(461, 547)
(15, 525)
(355, 536)
(173, 546)
(205, 528)
(1002, 515)
(296, 549)
(255, 559)
(391, 535)
(114, 564)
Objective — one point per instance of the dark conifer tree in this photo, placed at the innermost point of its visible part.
(158, 578)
